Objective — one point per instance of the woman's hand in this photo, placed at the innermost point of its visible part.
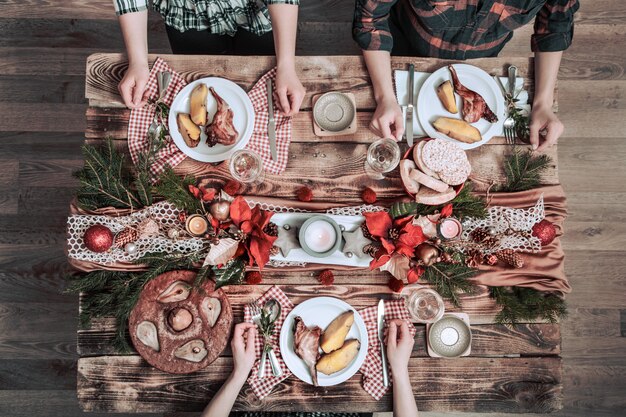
(288, 91)
(133, 85)
(242, 346)
(544, 125)
(387, 121)
(399, 346)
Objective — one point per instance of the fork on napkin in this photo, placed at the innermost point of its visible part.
(263, 386)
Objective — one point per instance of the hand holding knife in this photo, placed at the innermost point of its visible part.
(271, 123)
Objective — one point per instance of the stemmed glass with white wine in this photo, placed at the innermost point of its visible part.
(382, 156)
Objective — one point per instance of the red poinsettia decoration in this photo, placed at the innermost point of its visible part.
(399, 236)
(252, 222)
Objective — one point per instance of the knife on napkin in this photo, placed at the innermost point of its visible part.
(381, 339)
(271, 123)
(409, 108)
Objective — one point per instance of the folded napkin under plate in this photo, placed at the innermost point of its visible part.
(371, 369)
(170, 155)
(401, 80)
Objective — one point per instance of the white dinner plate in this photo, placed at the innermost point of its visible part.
(321, 311)
(243, 119)
(429, 106)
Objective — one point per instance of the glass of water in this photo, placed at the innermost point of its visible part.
(425, 305)
(382, 156)
(246, 166)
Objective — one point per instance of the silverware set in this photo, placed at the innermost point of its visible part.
(163, 82)
(265, 318)
(510, 133)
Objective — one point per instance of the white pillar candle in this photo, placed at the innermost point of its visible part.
(320, 236)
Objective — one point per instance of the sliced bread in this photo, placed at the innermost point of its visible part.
(430, 182)
(434, 198)
(406, 166)
(417, 157)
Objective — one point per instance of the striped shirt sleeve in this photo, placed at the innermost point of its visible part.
(129, 6)
(370, 26)
(554, 26)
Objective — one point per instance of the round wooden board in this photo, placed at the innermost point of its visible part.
(148, 308)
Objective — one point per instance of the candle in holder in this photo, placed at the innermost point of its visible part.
(450, 228)
(320, 236)
(197, 225)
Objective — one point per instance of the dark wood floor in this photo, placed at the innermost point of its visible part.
(43, 46)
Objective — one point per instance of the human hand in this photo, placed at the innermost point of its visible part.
(387, 121)
(133, 86)
(288, 91)
(543, 119)
(399, 346)
(242, 346)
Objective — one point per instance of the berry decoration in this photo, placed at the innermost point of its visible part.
(253, 278)
(544, 231)
(326, 277)
(395, 285)
(369, 196)
(304, 194)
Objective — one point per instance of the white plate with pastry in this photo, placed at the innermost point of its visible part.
(346, 342)
(210, 119)
(444, 106)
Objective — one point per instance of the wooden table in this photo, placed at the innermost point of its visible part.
(509, 370)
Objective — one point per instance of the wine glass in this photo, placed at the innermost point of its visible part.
(425, 305)
(246, 166)
(382, 156)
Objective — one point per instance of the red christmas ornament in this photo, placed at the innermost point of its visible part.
(232, 187)
(545, 231)
(395, 285)
(369, 196)
(253, 277)
(98, 238)
(326, 277)
(304, 194)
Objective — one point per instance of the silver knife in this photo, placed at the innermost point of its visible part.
(271, 124)
(381, 339)
(409, 108)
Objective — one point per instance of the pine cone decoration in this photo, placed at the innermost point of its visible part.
(271, 229)
(394, 233)
(371, 249)
(366, 231)
(478, 235)
(510, 257)
(473, 259)
(125, 236)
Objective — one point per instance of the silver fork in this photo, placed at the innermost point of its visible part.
(255, 311)
(508, 126)
(163, 82)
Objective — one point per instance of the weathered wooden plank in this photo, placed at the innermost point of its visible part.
(37, 374)
(37, 117)
(488, 340)
(57, 145)
(126, 383)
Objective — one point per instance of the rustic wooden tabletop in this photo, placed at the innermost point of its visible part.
(509, 370)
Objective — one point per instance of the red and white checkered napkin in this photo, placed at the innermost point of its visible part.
(262, 387)
(372, 368)
(260, 139)
(140, 120)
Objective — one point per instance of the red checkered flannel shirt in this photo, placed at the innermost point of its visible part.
(462, 29)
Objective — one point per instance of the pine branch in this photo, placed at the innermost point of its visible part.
(521, 304)
(102, 179)
(231, 273)
(450, 279)
(523, 170)
(175, 189)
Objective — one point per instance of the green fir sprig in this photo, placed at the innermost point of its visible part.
(175, 189)
(451, 279)
(523, 170)
(521, 304)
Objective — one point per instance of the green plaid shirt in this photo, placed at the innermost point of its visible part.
(463, 29)
(220, 17)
